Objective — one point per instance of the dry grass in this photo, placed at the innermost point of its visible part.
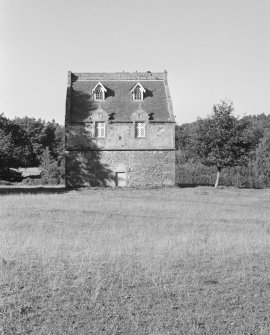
(160, 261)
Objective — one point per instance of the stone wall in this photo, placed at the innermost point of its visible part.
(100, 168)
(120, 136)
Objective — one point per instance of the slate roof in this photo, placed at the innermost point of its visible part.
(118, 103)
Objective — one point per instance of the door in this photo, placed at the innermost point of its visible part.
(121, 179)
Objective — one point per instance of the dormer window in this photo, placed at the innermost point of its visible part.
(99, 92)
(137, 92)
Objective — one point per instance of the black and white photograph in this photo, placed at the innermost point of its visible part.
(135, 167)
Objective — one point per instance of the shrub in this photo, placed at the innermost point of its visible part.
(195, 173)
(5, 183)
(32, 181)
(51, 170)
(261, 163)
(239, 176)
(10, 175)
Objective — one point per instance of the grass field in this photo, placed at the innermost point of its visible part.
(153, 261)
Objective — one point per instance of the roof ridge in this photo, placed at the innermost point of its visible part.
(120, 75)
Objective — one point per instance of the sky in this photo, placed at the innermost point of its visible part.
(212, 49)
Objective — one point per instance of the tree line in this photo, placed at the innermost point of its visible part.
(236, 149)
(29, 142)
(220, 148)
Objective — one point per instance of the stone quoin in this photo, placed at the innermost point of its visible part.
(120, 130)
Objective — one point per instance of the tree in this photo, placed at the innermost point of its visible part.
(183, 136)
(221, 140)
(261, 163)
(9, 149)
(51, 172)
(36, 135)
(8, 158)
(6, 149)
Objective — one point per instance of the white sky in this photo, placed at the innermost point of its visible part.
(212, 49)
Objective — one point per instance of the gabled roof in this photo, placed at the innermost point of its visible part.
(141, 87)
(139, 114)
(118, 103)
(102, 87)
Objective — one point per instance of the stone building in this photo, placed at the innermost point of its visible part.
(120, 130)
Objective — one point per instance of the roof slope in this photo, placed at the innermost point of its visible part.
(118, 103)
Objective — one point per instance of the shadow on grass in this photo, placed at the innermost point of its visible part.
(193, 185)
(33, 190)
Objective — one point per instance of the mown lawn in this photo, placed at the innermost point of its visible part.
(156, 261)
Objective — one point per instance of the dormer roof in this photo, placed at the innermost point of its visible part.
(99, 84)
(138, 85)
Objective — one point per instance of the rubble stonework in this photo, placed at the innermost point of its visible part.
(143, 168)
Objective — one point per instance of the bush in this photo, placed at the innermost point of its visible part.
(195, 173)
(51, 170)
(10, 175)
(5, 183)
(261, 163)
(32, 181)
(239, 176)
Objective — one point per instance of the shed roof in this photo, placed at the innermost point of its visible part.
(118, 102)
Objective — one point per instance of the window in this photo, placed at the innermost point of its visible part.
(99, 129)
(99, 94)
(137, 93)
(140, 129)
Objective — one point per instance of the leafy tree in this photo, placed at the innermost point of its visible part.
(183, 140)
(51, 172)
(221, 140)
(34, 133)
(261, 122)
(6, 150)
(261, 162)
(10, 152)
(40, 134)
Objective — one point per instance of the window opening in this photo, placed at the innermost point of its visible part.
(99, 94)
(137, 93)
(120, 179)
(140, 129)
(100, 129)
